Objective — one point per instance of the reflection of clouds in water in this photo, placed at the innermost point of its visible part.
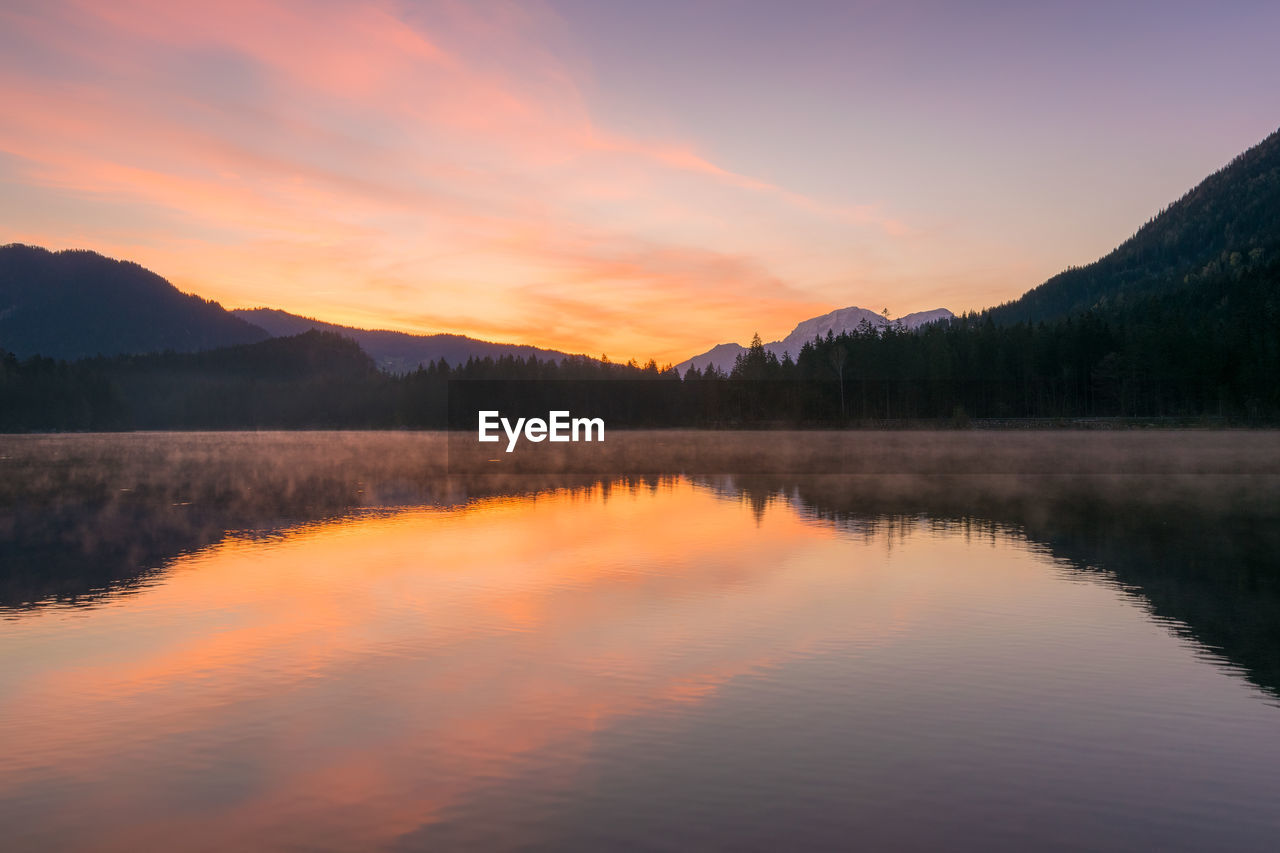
(378, 652)
(536, 648)
(1190, 518)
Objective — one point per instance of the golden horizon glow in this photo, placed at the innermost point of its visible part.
(520, 173)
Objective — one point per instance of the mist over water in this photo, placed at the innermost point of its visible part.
(907, 640)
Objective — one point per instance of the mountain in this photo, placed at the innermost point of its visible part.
(78, 304)
(849, 319)
(1228, 225)
(396, 352)
(836, 322)
(74, 304)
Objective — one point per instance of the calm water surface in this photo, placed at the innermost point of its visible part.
(321, 642)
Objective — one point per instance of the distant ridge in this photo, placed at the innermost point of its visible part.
(395, 352)
(74, 304)
(836, 322)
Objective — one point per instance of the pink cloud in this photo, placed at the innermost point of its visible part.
(373, 165)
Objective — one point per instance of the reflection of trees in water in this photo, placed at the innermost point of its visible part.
(1202, 550)
(86, 516)
(82, 517)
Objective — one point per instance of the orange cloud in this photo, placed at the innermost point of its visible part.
(344, 160)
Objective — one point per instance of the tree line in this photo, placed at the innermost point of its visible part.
(1212, 350)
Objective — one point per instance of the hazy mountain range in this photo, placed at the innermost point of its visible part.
(78, 304)
(838, 321)
(396, 352)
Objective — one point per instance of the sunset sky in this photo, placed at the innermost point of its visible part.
(633, 178)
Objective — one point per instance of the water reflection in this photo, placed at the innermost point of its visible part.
(1191, 521)
(1202, 550)
(321, 641)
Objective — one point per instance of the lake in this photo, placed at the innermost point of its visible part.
(354, 641)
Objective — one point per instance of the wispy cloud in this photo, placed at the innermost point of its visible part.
(372, 160)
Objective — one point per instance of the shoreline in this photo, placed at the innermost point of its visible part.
(1105, 424)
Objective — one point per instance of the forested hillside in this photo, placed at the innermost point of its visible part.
(314, 380)
(1225, 230)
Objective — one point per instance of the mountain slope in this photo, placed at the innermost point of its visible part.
(73, 304)
(397, 352)
(838, 321)
(1229, 223)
